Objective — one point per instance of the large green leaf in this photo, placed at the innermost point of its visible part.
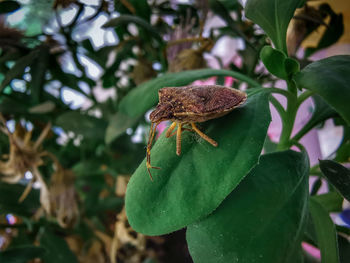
(144, 96)
(325, 232)
(329, 78)
(261, 220)
(338, 175)
(21, 254)
(273, 16)
(190, 186)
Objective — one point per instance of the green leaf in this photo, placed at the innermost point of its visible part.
(117, 125)
(57, 248)
(190, 186)
(18, 69)
(21, 254)
(273, 16)
(144, 96)
(329, 78)
(9, 195)
(127, 19)
(325, 232)
(261, 220)
(338, 176)
(332, 201)
(8, 6)
(88, 126)
(273, 60)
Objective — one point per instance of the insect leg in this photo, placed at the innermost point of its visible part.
(205, 137)
(178, 139)
(149, 145)
(170, 129)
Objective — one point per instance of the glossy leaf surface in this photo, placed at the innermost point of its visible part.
(261, 220)
(190, 186)
(329, 78)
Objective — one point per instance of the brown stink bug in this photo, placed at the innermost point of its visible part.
(187, 105)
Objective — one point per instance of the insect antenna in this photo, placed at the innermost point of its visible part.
(152, 132)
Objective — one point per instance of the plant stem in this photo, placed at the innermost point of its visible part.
(289, 118)
(277, 106)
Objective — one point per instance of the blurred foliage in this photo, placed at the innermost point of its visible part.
(65, 165)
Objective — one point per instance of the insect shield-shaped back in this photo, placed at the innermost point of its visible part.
(188, 105)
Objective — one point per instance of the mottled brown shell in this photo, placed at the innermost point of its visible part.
(196, 103)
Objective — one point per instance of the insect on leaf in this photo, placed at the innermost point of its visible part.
(191, 186)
